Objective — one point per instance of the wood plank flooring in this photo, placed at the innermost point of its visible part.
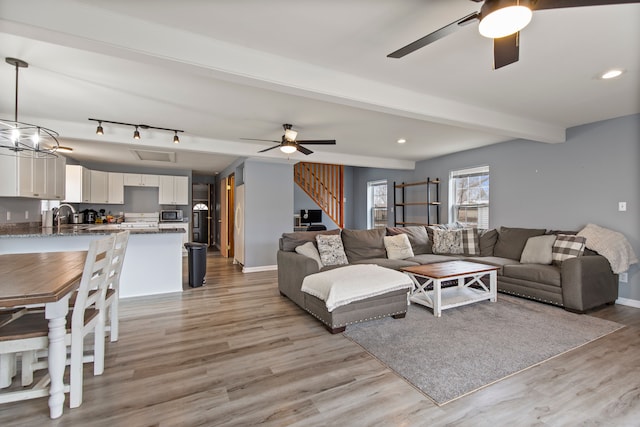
(236, 353)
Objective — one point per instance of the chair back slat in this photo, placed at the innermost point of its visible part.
(94, 276)
(119, 250)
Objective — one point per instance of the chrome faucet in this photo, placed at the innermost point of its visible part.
(57, 212)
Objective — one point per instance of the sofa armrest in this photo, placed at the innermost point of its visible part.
(292, 269)
(587, 282)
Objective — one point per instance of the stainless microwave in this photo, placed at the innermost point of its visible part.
(171, 215)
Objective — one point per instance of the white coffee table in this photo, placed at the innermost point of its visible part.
(467, 273)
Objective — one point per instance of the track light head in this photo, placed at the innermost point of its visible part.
(176, 140)
(99, 130)
(136, 133)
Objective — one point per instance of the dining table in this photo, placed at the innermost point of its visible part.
(47, 278)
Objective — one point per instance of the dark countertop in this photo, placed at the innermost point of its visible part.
(80, 230)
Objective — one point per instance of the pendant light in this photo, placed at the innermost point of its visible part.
(25, 139)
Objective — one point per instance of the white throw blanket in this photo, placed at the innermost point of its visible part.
(611, 245)
(343, 285)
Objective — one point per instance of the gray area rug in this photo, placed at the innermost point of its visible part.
(475, 345)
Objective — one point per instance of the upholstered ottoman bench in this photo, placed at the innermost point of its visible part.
(355, 293)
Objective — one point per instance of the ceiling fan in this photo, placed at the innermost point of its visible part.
(289, 145)
(502, 21)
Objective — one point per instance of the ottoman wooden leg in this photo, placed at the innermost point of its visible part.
(399, 316)
(336, 330)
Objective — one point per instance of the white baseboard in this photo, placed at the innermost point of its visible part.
(259, 268)
(627, 301)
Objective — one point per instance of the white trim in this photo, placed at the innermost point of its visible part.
(629, 302)
(259, 268)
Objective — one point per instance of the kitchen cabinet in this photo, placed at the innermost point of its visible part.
(116, 188)
(28, 176)
(99, 187)
(78, 184)
(140, 180)
(56, 178)
(173, 190)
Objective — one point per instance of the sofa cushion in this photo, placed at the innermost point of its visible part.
(418, 237)
(537, 250)
(290, 241)
(398, 246)
(548, 274)
(364, 244)
(310, 250)
(493, 260)
(331, 250)
(511, 241)
(395, 264)
(488, 239)
(432, 258)
(566, 246)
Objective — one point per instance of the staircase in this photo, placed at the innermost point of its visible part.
(324, 183)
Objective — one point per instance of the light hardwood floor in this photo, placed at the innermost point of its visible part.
(235, 352)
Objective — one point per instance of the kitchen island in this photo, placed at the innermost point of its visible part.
(152, 264)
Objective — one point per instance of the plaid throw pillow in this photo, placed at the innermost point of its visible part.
(470, 241)
(567, 246)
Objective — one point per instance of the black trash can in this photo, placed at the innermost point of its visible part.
(197, 253)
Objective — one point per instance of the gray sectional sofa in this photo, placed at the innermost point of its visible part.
(577, 284)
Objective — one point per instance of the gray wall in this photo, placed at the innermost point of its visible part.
(268, 207)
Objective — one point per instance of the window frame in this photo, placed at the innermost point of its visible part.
(371, 222)
(481, 207)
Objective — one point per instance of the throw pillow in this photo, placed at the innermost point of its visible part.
(310, 250)
(511, 241)
(538, 250)
(331, 250)
(488, 239)
(398, 246)
(566, 247)
(420, 243)
(470, 241)
(447, 242)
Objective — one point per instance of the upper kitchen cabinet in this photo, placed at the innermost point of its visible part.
(78, 185)
(27, 176)
(140, 180)
(173, 190)
(116, 188)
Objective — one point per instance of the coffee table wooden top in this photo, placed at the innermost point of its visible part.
(443, 270)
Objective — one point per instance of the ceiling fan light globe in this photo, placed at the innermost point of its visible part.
(503, 18)
(288, 149)
(290, 135)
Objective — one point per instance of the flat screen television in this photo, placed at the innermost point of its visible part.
(310, 216)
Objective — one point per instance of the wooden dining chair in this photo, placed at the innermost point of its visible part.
(113, 285)
(86, 317)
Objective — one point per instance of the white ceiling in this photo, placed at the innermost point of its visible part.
(227, 69)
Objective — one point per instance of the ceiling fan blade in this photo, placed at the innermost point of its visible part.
(559, 4)
(266, 140)
(506, 50)
(304, 150)
(318, 141)
(436, 35)
(270, 148)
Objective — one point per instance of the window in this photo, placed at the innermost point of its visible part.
(469, 196)
(200, 207)
(377, 204)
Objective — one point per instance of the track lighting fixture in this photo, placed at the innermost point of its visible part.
(136, 132)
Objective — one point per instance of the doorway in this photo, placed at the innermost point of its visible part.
(203, 213)
(225, 220)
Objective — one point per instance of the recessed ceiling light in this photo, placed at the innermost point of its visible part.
(611, 74)
(402, 141)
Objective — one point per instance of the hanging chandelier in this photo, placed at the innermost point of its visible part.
(25, 139)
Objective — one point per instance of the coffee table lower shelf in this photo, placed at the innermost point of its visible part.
(452, 297)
